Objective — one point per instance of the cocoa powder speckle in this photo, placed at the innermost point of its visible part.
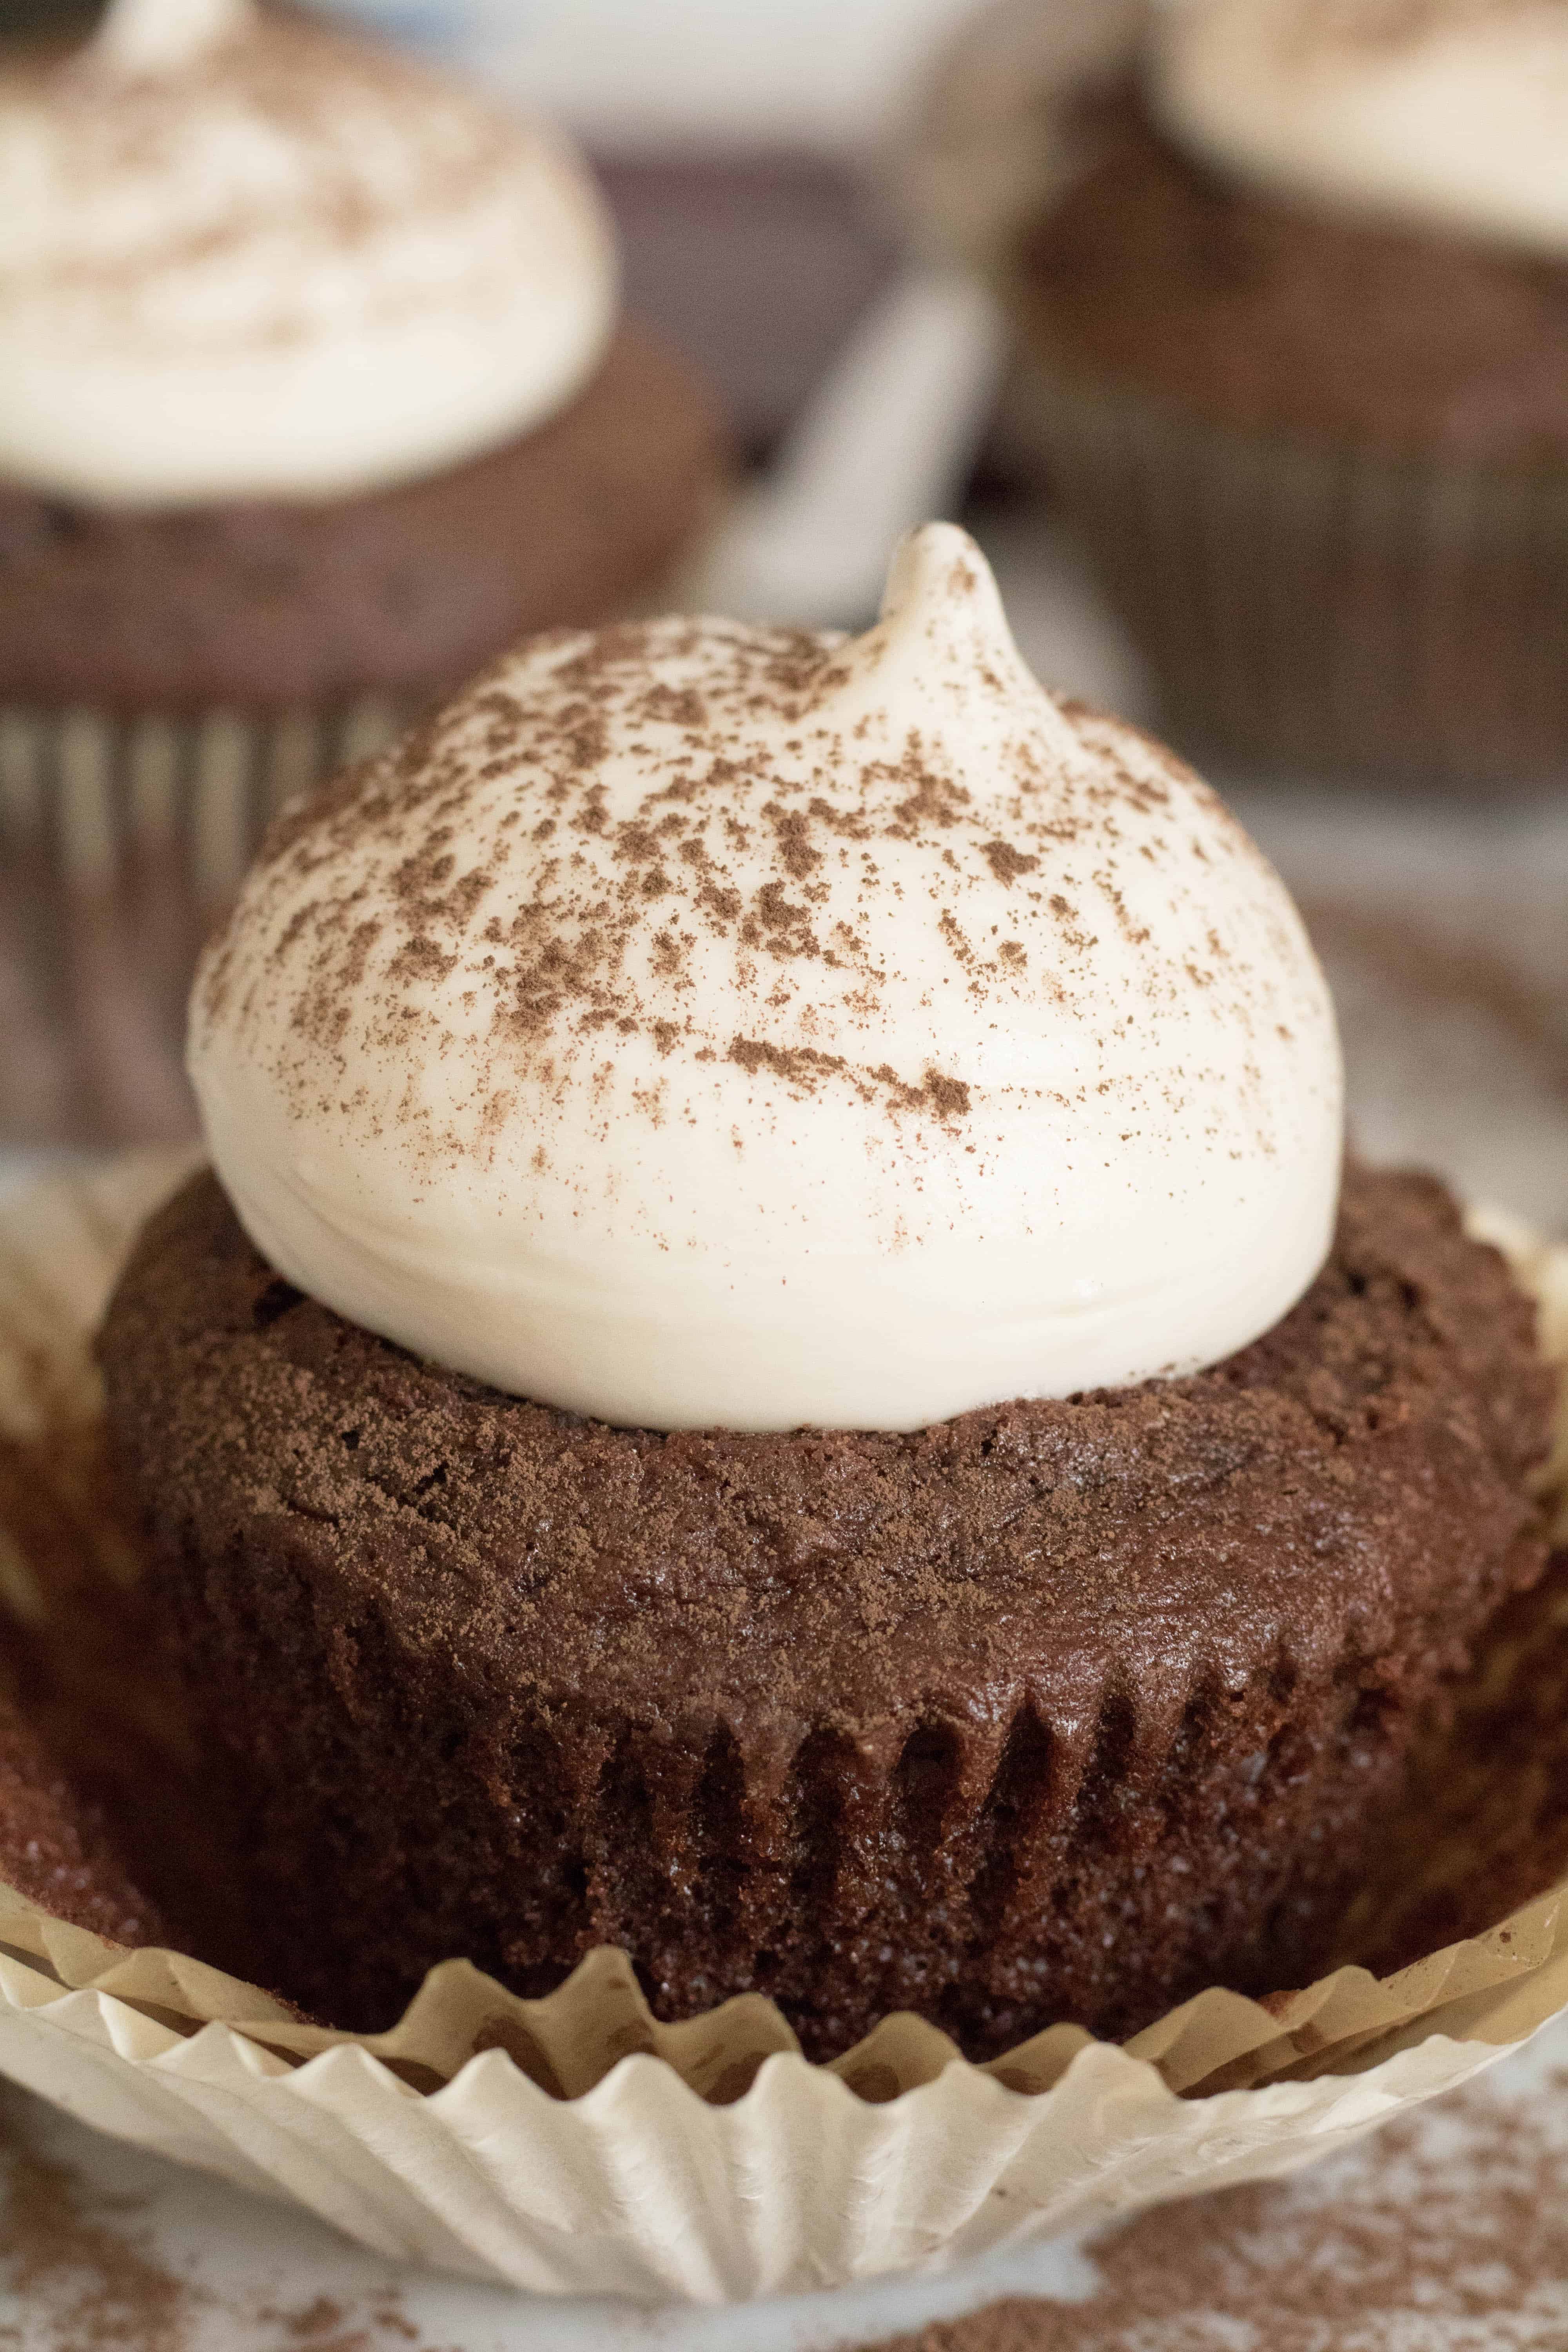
(1445, 2233)
(1005, 862)
(677, 872)
(81, 2263)
(356, 139)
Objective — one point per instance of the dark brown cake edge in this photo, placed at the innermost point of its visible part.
(917, 1882)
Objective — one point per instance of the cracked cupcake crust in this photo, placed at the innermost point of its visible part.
(1056, 1710)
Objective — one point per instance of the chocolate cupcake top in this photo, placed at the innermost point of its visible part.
(697, 1026)
(1354, 1477)
(243, 257)
(1452, 113)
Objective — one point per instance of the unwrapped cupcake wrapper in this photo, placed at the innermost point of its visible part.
(577, 2145)
(122, 842)
(1319, 608)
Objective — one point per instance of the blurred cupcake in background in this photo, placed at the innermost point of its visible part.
(1290, 282)
(315, 395)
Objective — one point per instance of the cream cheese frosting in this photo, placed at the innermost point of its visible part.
(706, 1025)
(241, 256)
(1453, 112)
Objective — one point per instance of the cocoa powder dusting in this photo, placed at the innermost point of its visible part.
(1005, 862)
(300, 93)
(95, 2289)
(582, 849)
(80, 2262)
(1446, 2232)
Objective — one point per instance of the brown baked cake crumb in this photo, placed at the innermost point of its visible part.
(1058, 1710)
(1157, 273)
(265, 605)
(57, 1848)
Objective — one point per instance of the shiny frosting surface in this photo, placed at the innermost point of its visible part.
(703, 1025)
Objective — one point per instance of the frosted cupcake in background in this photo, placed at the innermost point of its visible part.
(315, 396)
(1290, 278)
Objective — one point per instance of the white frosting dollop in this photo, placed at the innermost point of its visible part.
(706, 1025)
(1453, 112)
(243, 257)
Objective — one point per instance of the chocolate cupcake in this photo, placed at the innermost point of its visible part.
(315, 397)
(1293, 322)
(776, 1371)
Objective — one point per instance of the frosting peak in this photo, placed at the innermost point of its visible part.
(244, 257)
(1452, 111)
(942, 637)
(707, 1026)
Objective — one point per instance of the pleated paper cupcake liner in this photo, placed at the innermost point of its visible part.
(123, 840)
(1317, 608)
(577, 2145)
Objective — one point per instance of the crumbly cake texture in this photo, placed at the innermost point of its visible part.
(1058, 1710)
(404, 592)
(1163, 276)
(56, 1848)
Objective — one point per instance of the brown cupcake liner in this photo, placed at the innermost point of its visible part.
(575, 2145)
(1325, 610)
(123, 840)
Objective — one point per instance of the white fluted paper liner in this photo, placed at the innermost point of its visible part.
(574, 2145)
(121, 841)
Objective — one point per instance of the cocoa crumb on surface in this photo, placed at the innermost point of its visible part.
(93, 2287)
(1447, 2231)
(81, 2262)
